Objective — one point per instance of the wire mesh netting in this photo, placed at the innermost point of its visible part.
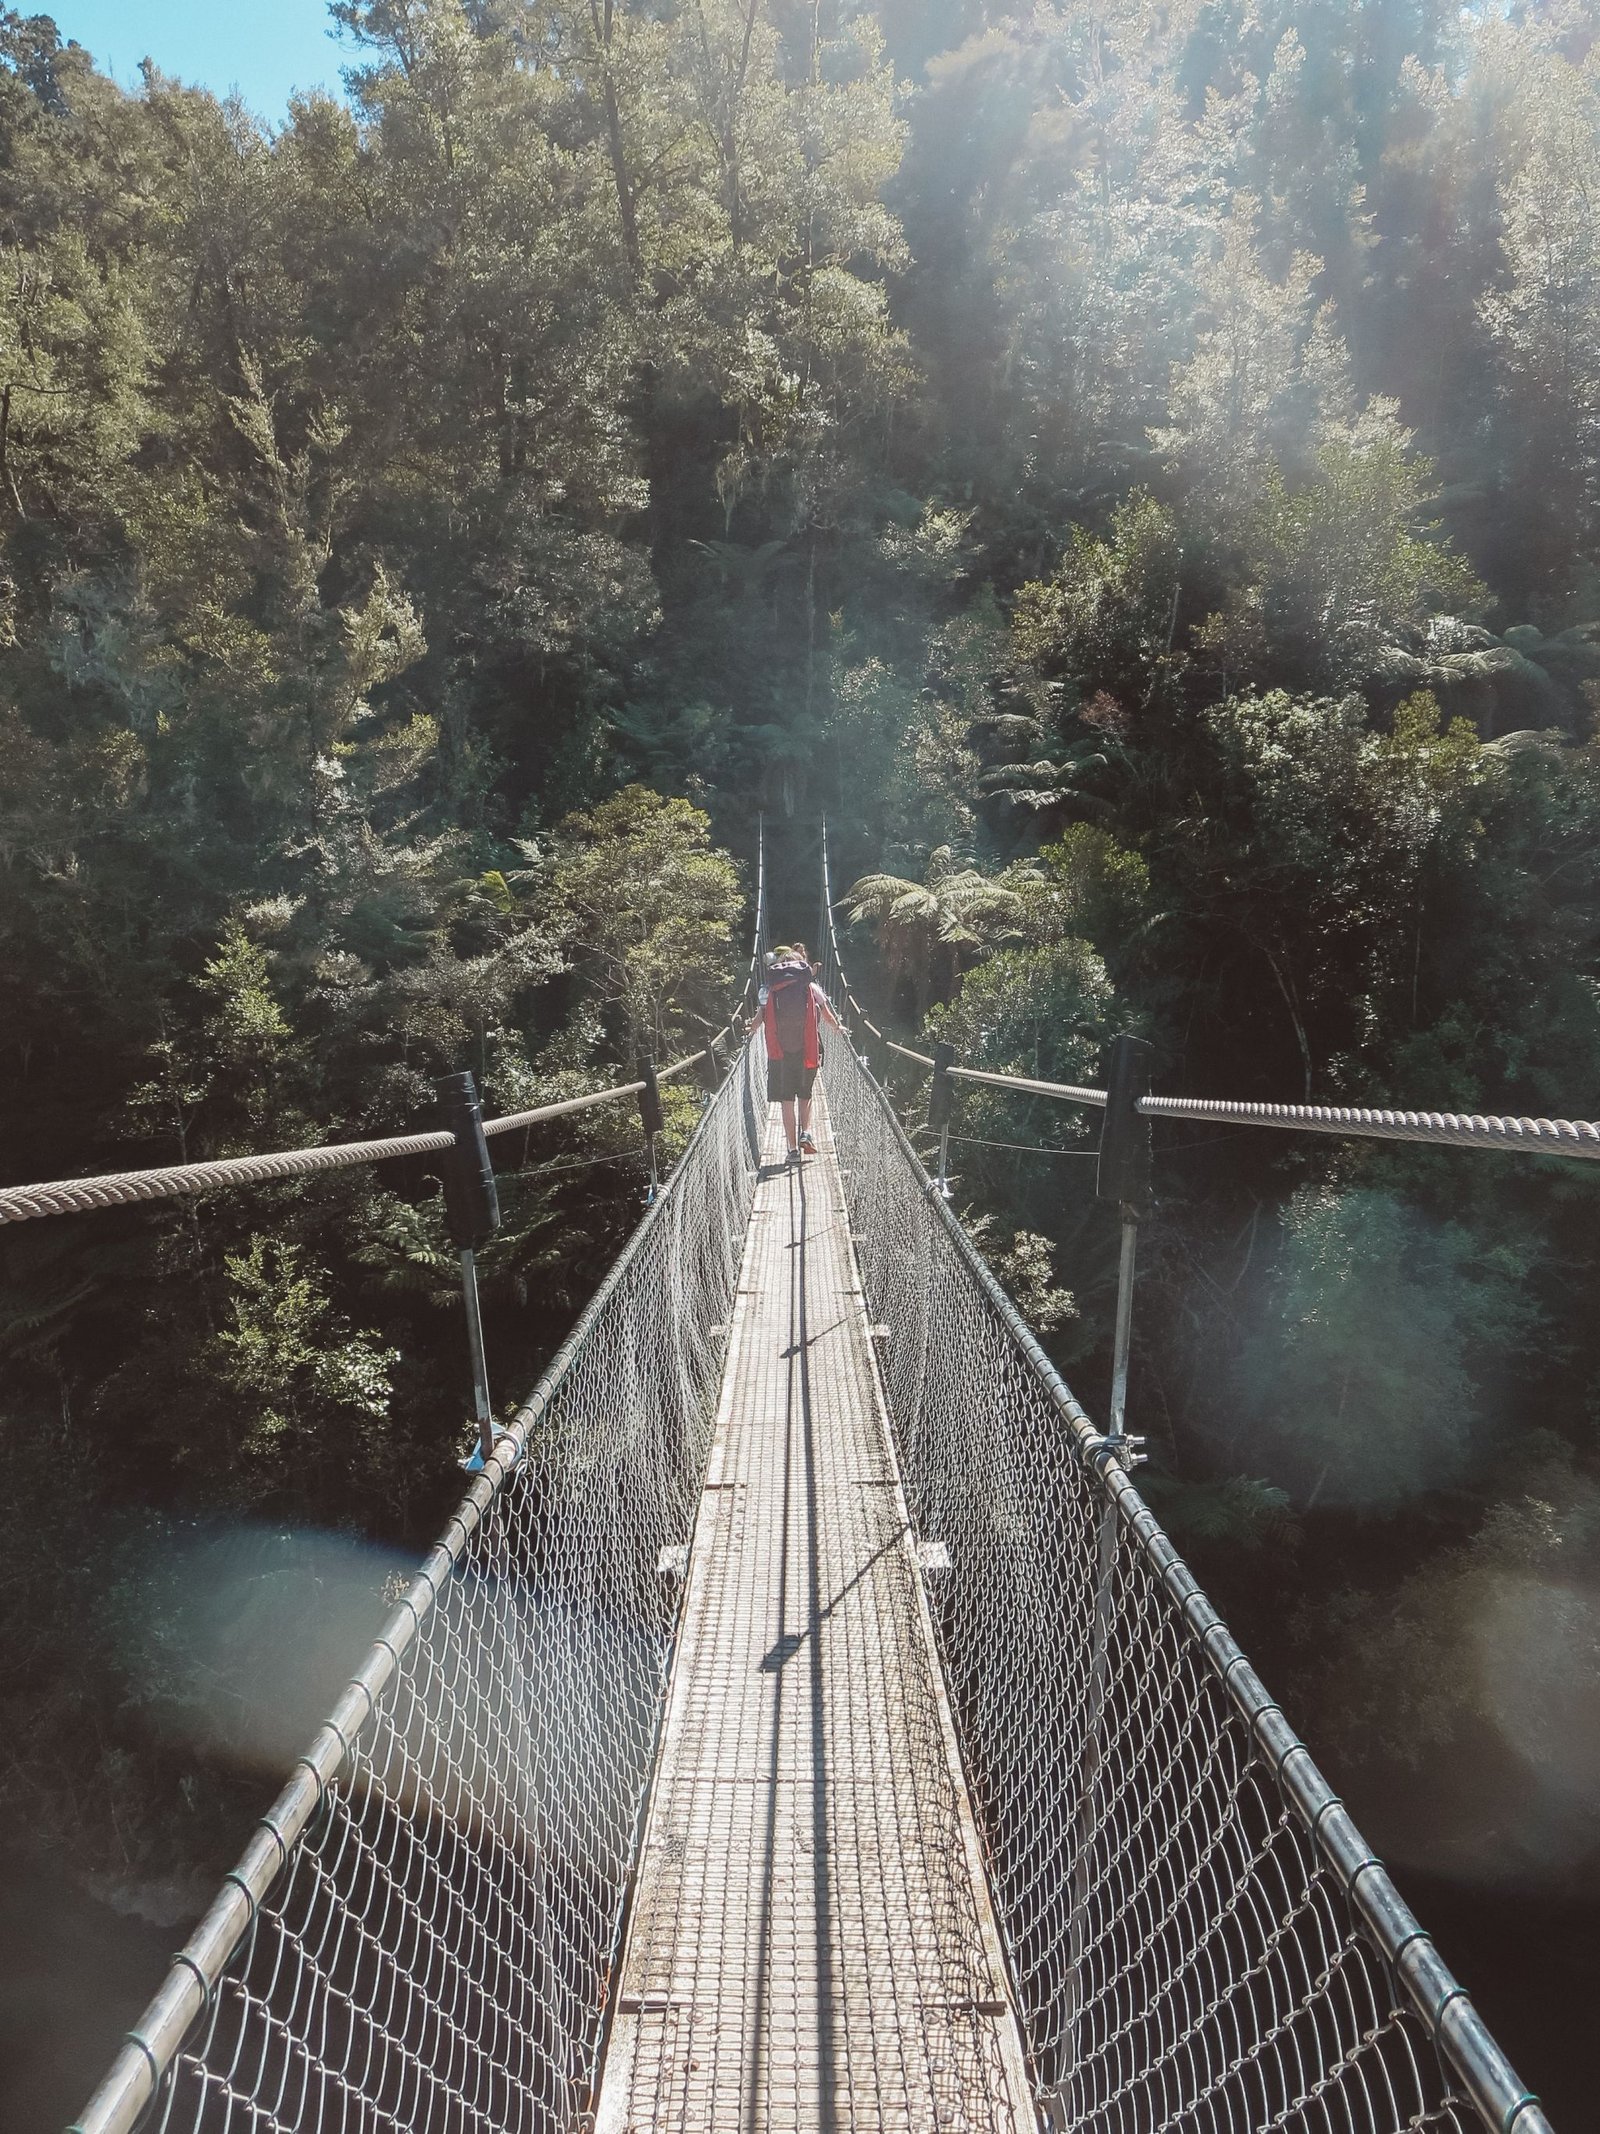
(1182, 1954)
(435, 1953)
(435, 1909)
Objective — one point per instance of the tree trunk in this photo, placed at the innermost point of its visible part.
(603, 24)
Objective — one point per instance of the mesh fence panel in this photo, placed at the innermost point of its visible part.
(1182, 1954)
(436, 1951)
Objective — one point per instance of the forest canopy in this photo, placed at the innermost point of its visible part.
(1133, 468)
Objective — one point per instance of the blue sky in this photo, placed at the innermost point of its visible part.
(264, 48)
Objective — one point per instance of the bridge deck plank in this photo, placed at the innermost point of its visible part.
(811, 1945)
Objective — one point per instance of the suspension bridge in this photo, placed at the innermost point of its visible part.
(803, 1723)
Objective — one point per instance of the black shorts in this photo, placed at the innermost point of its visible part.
(788, 1078)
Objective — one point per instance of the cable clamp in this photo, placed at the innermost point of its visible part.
(183, 1961)
(141, 2044)
(475, 1463)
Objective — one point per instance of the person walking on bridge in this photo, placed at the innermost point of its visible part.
(793, 1008)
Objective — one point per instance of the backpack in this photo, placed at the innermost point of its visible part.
(789, 990)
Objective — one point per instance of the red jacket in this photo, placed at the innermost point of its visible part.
(770, 1024)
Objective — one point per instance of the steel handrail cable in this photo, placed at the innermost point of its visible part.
(1579, 1138)
(752, 982)
(864, 1018)
(905, 1052)
(1069, 1092)
(513, 1120)
(1464, 2042)
(1547, 1137)
(66, 1196)
(831, 934)
(63, 1196)
(726, 1135)
(861, 1014)
(134, 2076)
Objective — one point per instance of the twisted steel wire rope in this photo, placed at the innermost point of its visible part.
(1198, 1936)
(1555, 1137)
(66, 1196)
(420, 1930)
(421, 1934)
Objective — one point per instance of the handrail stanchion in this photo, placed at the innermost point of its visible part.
(1124, 1177)
(941, 1103)
(652, 1118)
(472, 1211)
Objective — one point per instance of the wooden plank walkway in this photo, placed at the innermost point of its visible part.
(811, 1945)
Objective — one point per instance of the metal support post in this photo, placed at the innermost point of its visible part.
(652, 1118)
(1119, 1355)
(1124, 1177)
(480, 1368)
(941, 1104)
(472, 1211)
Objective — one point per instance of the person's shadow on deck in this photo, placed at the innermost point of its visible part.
(799, 1521)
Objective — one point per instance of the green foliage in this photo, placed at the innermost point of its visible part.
(1344, 565)
(647, 910)
(1106, 621)
(1233, 1512)
(925, 929)
(1027, 1268)
(1362, 1379)
(1465, 1698)
(298, 1382)
(1041, 1012)
(1009, 466)
(1094, 888)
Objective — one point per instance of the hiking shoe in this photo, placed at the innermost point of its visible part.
(808, 1146)
(793, 1156)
